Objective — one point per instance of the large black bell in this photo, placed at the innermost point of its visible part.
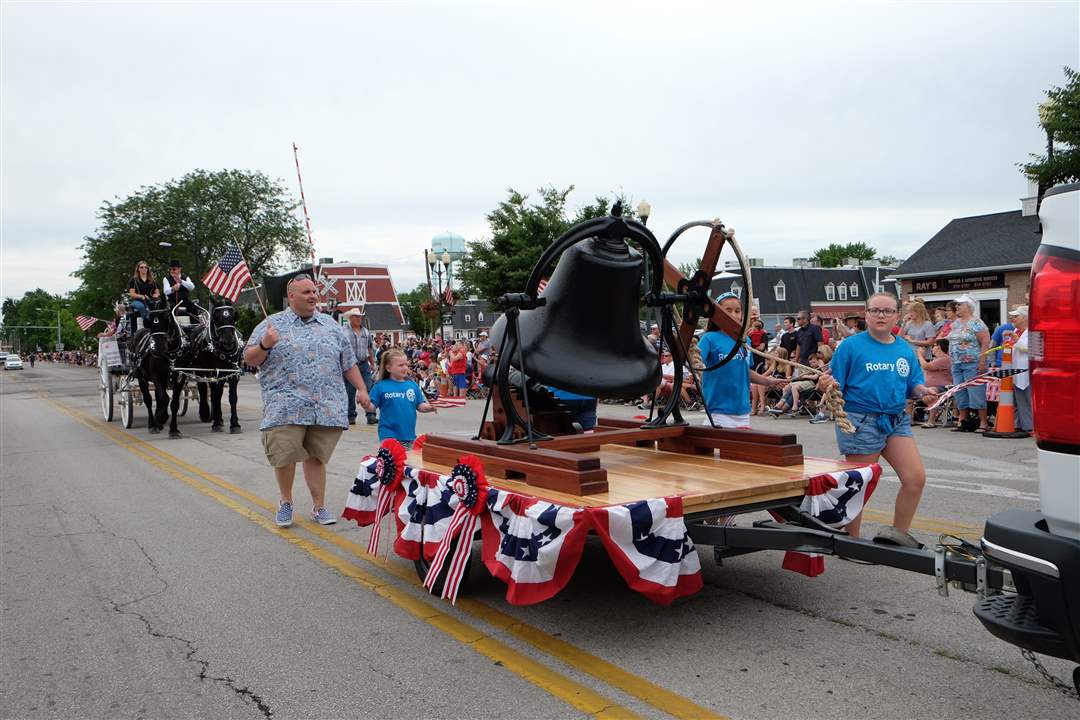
(586, 338)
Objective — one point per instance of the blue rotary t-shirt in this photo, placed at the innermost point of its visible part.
(726, 389)
(397, 401)
(875, 377)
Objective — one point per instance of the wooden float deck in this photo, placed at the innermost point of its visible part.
(705, 482)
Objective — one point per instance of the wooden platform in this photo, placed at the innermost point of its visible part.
(705, 482)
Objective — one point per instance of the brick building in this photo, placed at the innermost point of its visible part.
(987, 257)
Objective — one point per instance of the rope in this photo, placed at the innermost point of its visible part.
(831, 398)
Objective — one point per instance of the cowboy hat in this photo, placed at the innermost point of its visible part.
(354, 312)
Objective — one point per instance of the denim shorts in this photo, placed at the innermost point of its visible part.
(973, 397)
(868, 437)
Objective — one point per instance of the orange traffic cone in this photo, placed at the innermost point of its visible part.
(1005, 427)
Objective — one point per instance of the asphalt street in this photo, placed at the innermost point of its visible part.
(143, 577)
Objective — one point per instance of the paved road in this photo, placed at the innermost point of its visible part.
(142, 577)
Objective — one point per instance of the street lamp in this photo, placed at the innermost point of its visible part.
(58, 341)
(643, 211)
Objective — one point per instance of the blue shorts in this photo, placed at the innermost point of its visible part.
(460, 381)
(868, 437)
(973, 397)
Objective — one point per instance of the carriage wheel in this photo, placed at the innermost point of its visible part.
(689, 316)
(183, 406)
(422, 566)
(127, 408)
(107, 398)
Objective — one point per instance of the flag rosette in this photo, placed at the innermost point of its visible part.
(389, 471)
(468, 482)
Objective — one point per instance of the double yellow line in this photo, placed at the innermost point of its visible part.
(575, 694)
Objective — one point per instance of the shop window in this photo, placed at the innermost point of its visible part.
(854, 290)
(841, 291)
(830, 292)
(780, 291)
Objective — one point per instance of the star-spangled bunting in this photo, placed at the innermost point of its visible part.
(85, 321)
(229, 276)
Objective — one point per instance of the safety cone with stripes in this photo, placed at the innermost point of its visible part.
(1005, 427)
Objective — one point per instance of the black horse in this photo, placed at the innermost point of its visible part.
(149, 350)
(211, 357)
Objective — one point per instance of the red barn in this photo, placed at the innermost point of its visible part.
(346, 285)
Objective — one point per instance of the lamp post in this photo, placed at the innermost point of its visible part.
(439, 265)
(644, 209)
(58, 341)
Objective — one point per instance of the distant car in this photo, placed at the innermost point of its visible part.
(13, 362)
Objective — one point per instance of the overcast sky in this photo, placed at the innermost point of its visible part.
(798, 124)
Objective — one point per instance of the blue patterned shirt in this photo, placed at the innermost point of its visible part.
(301, 378)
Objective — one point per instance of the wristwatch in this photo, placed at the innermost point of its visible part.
(263, 347)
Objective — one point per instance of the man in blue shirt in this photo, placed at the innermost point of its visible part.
(302, 355)
(876, 373)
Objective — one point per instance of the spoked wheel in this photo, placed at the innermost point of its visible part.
(127, 408)
(700, 282)
(183, 406)
(422, 566)
(107, 398)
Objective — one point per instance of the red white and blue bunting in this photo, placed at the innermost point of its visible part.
(534, 545)
(835, 499)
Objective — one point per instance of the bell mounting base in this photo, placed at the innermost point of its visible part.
(564, 465)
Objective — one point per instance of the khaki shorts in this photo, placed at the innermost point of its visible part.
(288, 444)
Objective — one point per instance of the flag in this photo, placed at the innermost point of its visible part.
(650, 546)
(448, 295)
(540, 287)
(361, 502)
(447, 402)
(532, 545)
(229, 276)
(110, 327)
(85, 321)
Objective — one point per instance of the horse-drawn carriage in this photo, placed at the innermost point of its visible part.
(174, 346)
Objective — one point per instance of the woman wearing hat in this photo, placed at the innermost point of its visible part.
(969, 339)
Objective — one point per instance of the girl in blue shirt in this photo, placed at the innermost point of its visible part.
(876, 373)
(726, 390)
(397, 398)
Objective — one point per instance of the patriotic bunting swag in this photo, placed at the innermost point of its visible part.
(534, 545)
(649, 545)
(471, 489)
(835, 499)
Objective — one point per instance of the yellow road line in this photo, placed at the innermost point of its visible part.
(556, 684)
(634, 685)
(933, 525)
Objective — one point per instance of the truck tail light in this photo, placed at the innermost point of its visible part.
(1054, 345)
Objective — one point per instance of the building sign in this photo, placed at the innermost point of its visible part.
(959, 283)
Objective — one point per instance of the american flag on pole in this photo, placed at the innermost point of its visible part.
(448, 295)
(229, 276)
(447, 402)
(85, 321)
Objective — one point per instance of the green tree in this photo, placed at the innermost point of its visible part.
(199, 215)
(415, 317)
(520, 231)
(836, 254)
(41, 308)
(1059, 116)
